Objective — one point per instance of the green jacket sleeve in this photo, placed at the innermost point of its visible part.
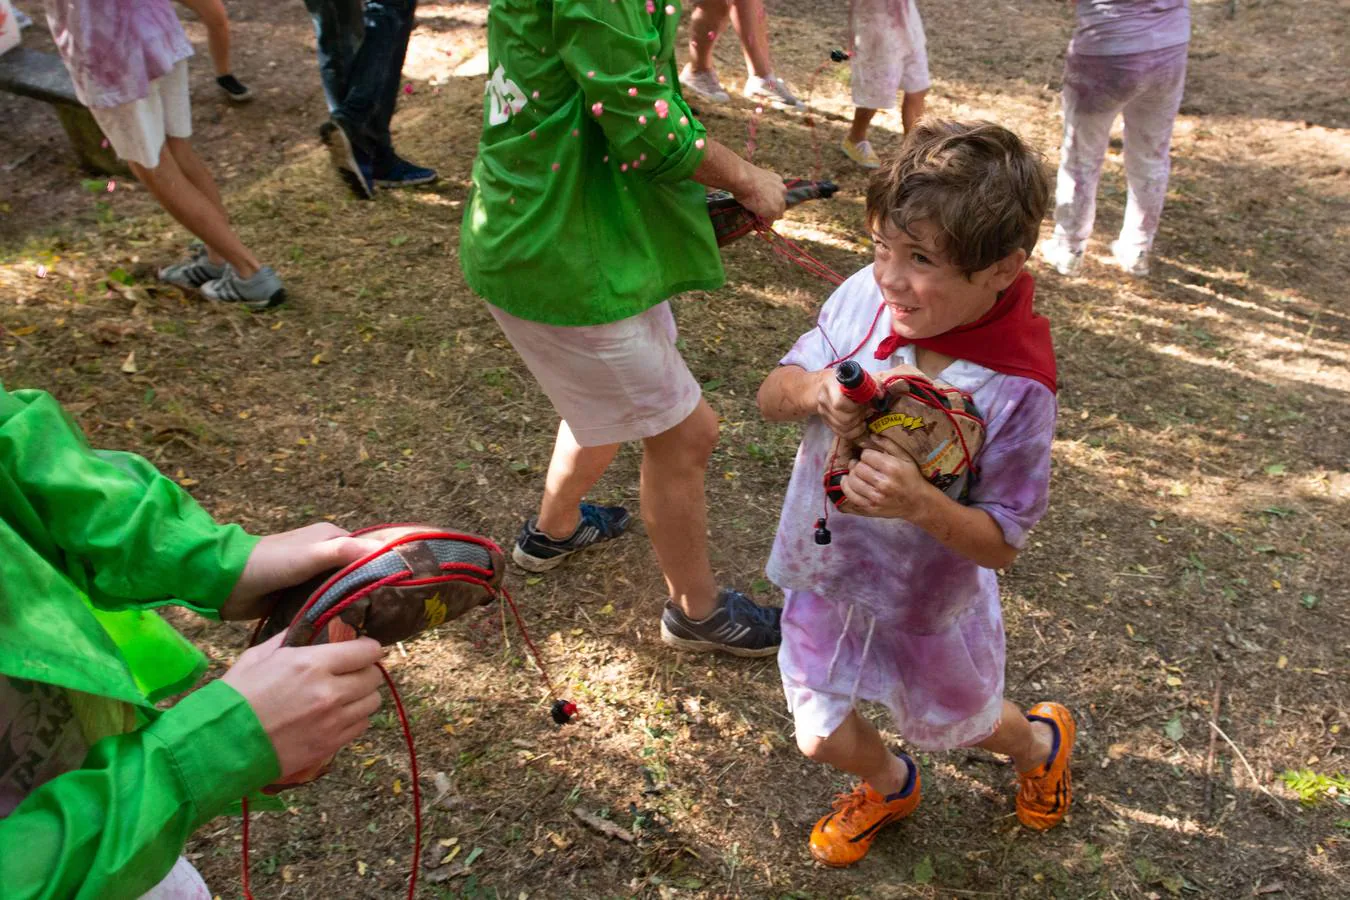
(608, 49)
(129, 535)
(114, 827)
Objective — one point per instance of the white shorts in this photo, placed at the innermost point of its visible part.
(623, 381)
(889, 53)
(137, 130)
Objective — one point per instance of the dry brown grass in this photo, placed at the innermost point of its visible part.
(1199, 502)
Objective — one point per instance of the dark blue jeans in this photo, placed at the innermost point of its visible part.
(361, 49)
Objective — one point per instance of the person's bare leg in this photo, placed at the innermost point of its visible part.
(195, 171)
(911, 109)
(193, 209)
(1028, 743)
(862, 120)
(675, 509)
(749, 20)
(572, 472)
(705, 24)
(857, 748)
(217, 23)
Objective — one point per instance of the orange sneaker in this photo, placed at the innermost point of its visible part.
(1043, 794)
(844, 836)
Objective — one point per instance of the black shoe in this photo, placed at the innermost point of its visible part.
(537, 552)
(738, 627)
(355, 173)
(235, 89)
(401, 173)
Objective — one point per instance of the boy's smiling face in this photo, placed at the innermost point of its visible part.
(926, 293)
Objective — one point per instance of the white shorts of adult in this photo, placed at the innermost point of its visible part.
(137, 130)
(623, 381)
(889, 52)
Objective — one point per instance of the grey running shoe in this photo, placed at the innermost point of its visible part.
(738, 627)
(703, 85)
(1131, 259)
(771, 90)
(344, 158)
(262, 291)
(193, 272)
(535, 551)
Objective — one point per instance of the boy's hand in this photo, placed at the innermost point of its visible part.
(885, 483)
(311, 701)
(292, 557)
(844, 417)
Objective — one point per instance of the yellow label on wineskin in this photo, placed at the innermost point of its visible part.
(895, 420)
(436, 610)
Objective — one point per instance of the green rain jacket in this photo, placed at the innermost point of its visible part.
(89, 542)
(582, 210)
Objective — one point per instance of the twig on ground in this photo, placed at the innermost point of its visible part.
(1213, 745)
(1248, 766)
(604, 826)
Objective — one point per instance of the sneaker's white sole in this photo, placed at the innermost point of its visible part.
(679, 643)
(532, 564)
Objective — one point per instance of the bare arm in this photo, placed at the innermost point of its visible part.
(889, 485)
(759, 190)
(791, 394)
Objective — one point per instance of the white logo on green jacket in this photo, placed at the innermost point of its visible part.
(505, 98)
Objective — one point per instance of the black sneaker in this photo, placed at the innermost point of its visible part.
(343, 156)
(537, 552)
(401, 173)
(738, 627)
(235, 89)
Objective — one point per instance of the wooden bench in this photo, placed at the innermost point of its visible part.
(42, 76)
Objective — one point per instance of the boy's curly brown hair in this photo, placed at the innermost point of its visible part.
(977, 183)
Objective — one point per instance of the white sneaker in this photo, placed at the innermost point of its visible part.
(1061, 257)
(772, 90)
(703, 85)
(1132, 261)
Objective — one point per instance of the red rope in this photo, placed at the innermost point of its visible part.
(416, 795)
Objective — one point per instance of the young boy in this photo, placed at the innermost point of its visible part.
(128, 62)
(901, 608)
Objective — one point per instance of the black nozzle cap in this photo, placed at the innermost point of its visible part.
(838, 55)
(849, 374)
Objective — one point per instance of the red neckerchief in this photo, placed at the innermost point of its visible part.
(1010, 338)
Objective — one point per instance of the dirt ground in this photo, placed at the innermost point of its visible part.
(1194, 548)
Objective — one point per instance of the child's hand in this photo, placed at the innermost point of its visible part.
(292, 557)
(885, 483)
(844, 417)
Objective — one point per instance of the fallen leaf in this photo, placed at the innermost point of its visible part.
(129, 364)
(1173, 681)
(1174, 729)
(398, 786)
(317, 360)
(559, 841)
(923, 870)
(361, 868)
(24, 331)
(1282, 662)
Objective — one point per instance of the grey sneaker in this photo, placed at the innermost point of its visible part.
(193, 272)
(771, 90)
(738, 627)
(262, 291)
(703, 85)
